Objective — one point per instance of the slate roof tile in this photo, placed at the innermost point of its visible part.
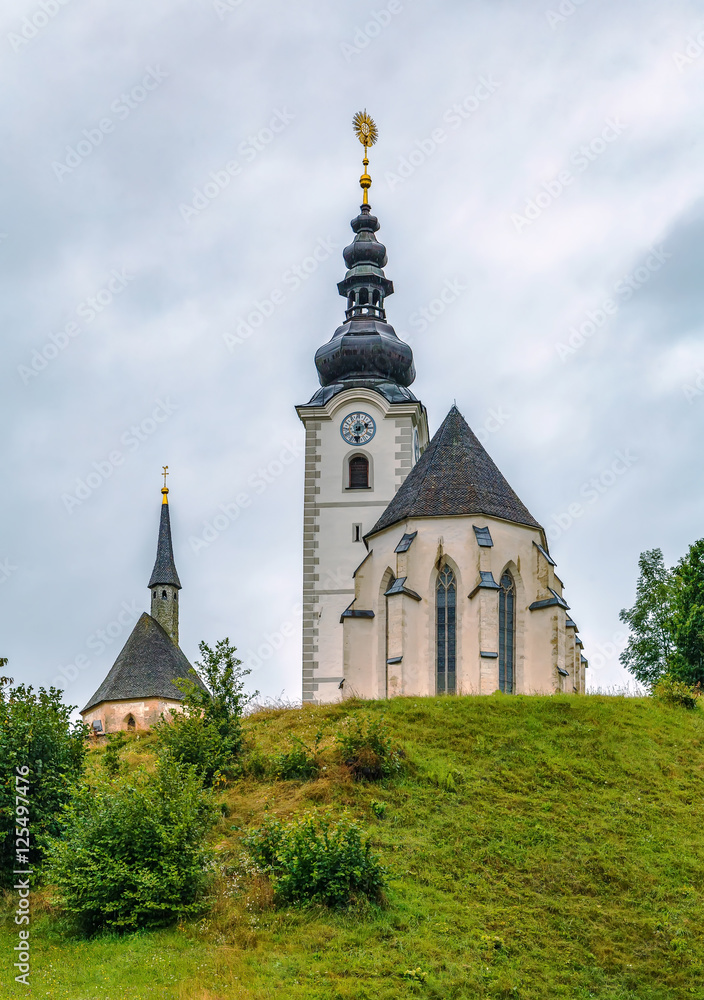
(454, 475)
(146, 667)
(164, 567)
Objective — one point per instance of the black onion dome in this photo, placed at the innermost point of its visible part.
(365, 248)
(365, 346)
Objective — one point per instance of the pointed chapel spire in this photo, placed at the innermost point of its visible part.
(365, 347)
(164, 571)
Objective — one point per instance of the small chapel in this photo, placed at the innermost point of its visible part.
(140, 685)
(423, 572)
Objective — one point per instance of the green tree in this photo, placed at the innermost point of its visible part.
(132, 852)
(651, 646)
(36, 732)
(207, 733)
(688, 617)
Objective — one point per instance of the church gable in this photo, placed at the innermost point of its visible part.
(455, 475)
(146, 667)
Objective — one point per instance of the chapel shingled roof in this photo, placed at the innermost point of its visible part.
(146, 667)
(454, 475)
(164, 566)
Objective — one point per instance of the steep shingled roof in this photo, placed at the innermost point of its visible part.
(164, 567)
(454, 475)
(146, 667)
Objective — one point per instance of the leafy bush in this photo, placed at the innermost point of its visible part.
(207, 733)
(195, 742)
(133, 855)
(316, 860)
(674, 692)
(364, 745)
(112, 757)
(299, 763)
(36, 732)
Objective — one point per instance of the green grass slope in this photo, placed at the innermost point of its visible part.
(537, 848)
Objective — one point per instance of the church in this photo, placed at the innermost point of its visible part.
(141, 686)
(423, 572)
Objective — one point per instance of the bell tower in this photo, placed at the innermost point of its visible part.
(365, 430)
(164, 583)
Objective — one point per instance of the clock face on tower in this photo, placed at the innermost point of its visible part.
(358, 428)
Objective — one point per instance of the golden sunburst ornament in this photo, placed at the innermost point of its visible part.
(367, 133)
(365, 128)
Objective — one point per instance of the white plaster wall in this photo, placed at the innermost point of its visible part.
(542, 642)
(330, 511)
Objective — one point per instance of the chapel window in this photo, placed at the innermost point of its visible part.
(507, 633)
(446, 639)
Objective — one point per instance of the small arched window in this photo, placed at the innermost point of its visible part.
(163, 595)
(131, 724)
(359, 473)
(446, 619)
(363, 297)
(376, 298)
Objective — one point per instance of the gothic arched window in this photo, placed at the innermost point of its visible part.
(446, 641)
(163, 595)
(131, 724)
(507, 633)
(359, 473)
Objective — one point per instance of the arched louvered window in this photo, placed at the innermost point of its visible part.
(359, 473)
(507, 633)
(446, 641)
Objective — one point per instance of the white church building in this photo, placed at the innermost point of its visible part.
(423, 573)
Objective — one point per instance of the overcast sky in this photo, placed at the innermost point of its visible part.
(169, 164)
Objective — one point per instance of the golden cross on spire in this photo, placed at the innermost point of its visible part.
(367, 133)
(165, 489)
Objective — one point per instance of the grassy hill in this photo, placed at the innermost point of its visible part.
(537, 848)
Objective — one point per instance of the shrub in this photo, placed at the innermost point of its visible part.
(299, 763)
(36, 733)
(195, 742)
(366, 748)
(316, 860)
(112, 757)
(133, 855)
(207, 733)
(674, 692)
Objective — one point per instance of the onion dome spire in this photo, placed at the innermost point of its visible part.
(365, 347)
